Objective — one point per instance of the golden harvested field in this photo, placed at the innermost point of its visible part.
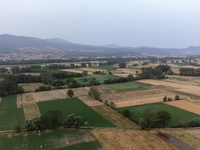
(190, 89)
(191, 107)
(73, 70)
(90, 101)
(129, 71)
(194, 131)
(30, 87)
(52, 95)
(27, 98)
(126, 139)
(91, 69)
(137, 97)
(30, 107)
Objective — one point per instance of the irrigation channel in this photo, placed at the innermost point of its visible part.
(174, 141)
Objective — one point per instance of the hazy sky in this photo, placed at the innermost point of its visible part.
(156, 23)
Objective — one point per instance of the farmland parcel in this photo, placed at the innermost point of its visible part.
(76, 106)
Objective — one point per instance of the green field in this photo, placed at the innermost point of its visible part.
(111, 67)
(76, 106)
(99, 78)
(22, 65)
(52, 140)
(127, 85)
(176, 113)
(1, 79)
(10, 115)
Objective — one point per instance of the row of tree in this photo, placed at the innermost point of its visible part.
(50, 120)
(9, 87)
(189, 72)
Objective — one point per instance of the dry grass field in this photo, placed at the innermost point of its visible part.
(191, 107)
(195, 132)
(30, 107)
(89, 101)
(190, 89)
(126, 139)
(137, 97)
(31, 111)
(74, 70)
(30, 87)
(51, 95)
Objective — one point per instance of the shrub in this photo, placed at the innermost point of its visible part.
(70, 93)
(87, 125)
(169, 99)
(112, 105)
(163, 117)
(94, 92)
(150, 116)
(17, 128)
(71, 120)
(106, 102)
(177, 97)
(182, 123)
(143, 123)
(197, 121)
(191, 123)
(161, 76)
(165, 99)
(126, 113)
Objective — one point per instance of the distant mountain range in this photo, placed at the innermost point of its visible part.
(11, 43)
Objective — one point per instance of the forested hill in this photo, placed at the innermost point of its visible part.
(11, 43)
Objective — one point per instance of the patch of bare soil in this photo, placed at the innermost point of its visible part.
(88, 100)
(191, 107)
(126, 139)
(71, 139)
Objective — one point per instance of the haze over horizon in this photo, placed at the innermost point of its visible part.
(146, 23)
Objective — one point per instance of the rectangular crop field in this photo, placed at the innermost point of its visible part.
(127, 85)
(176, 113)
(10, 115)
(58, 139)
(110, 67)
(30, 87)
(99, 78)
(76, 106)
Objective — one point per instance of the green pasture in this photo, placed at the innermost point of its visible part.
(50, 140)
(10, 115)
(176, 113)
(127, 85)
(76, 106)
